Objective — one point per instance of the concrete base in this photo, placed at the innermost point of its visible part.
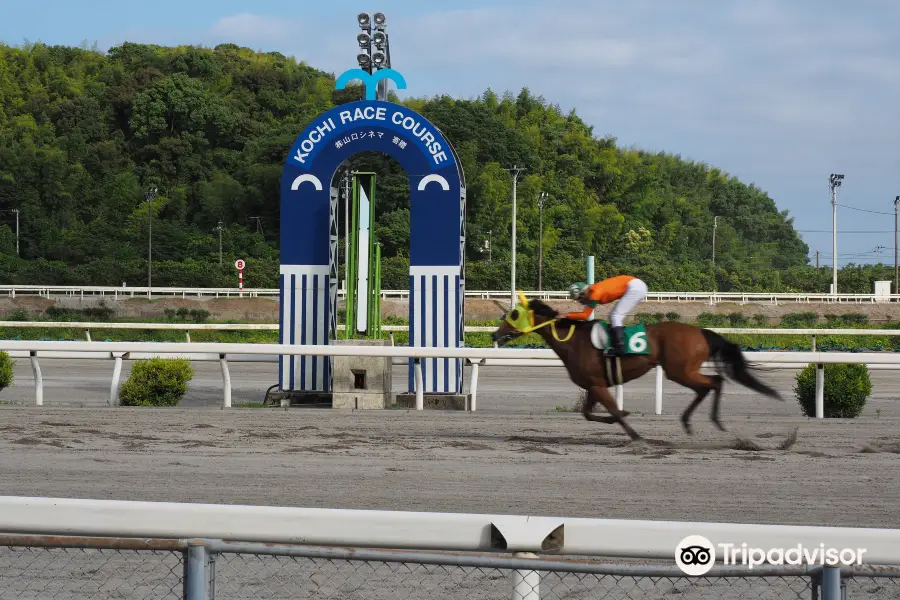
(361, 401)
(361, 382)
(435, 401)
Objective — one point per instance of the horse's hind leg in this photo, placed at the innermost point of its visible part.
(714, 415)
(702, 384)
(602, 395)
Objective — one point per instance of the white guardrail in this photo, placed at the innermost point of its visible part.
(188, 327)
(48, 291)
(401, 530)
(475, 357)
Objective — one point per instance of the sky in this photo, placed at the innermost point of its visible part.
(779, 94)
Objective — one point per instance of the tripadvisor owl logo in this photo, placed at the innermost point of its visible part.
(695, 555)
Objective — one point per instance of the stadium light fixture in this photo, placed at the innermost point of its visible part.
(834, 182)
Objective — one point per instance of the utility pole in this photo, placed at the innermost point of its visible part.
(896, 271)
(541, 200)
(151, 193)
(219, 229)
(817, 260)
(715, 280)
(514, 170)
(834, 181)
(16, 210)
(715, 226)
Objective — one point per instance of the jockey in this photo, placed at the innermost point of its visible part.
(628, 290)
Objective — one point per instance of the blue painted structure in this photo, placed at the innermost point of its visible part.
(309, 273)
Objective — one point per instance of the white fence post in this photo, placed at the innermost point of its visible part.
(659, 381)
(420, 392)
(526, 585)
(226, 380)
(114, 386)
(38, 380)
(473, 386)
(820, 391)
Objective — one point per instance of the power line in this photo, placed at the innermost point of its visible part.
(865, 210)
(829, 231)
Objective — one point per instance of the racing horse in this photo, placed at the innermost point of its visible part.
(680, 350)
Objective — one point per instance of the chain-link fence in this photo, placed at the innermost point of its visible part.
(38, 567)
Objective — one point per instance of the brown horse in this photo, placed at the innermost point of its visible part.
(678, 348)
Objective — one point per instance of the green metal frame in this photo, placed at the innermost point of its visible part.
(373, 302)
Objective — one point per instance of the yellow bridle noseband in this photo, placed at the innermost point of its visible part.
(524, 322)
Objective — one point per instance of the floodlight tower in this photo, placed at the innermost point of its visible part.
(380, 58)
(834, 182)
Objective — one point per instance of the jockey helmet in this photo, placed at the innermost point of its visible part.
(576, 289)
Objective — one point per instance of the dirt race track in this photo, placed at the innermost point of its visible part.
(515, 455)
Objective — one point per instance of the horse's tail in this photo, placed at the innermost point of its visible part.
(736, 366)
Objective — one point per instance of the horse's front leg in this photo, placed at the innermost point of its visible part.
(602, 395)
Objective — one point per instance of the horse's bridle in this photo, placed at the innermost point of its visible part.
(524, 328)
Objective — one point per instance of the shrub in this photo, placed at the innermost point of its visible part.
(6, 370)
(711, 320)
(846, 389)
(647, 318)
(737, 319)
(760, 319)
(156, 382)
(855, 318)
(799, 320)
(19, 314)
(673, 316)
(197, 315)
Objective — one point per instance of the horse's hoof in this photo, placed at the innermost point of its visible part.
(687, 427)
(719, 425)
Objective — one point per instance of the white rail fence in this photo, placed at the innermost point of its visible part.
(87, 326)
(209, 529)
(401, 530)
(49, 291)
(475, 357)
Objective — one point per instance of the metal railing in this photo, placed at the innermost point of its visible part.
(199, 551)
(475, 357)
(48, 291)
(76, 568)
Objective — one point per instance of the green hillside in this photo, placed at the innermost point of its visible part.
(83, 134)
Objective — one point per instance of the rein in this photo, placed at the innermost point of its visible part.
(526, 328)
(553, 330)
(533, 327)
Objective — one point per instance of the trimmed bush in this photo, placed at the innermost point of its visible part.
(673, 316)
(647, 318)
(855, 318)
(156, 382)
(737, 319)
(711, 320)
(6, 370)
(799, 320)
(846, 389)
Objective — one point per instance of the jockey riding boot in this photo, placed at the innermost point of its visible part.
(617, 341)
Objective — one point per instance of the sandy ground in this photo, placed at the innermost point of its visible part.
(516, 455)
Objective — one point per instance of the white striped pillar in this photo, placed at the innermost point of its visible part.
(305, 314)
(435, 321)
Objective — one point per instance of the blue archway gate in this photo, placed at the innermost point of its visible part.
(309, 240)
